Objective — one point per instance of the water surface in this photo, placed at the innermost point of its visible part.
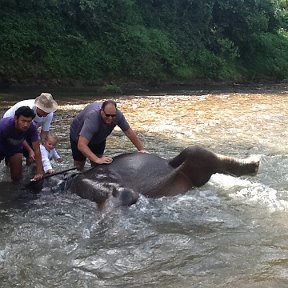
(230, 233)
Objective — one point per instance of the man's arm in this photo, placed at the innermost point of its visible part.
(38, 160)
(43, 134)
(135, 140)
(86, 151)
(29, 150)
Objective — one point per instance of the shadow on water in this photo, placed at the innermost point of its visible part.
(15, 196)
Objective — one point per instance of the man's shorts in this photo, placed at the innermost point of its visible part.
(9, 153)
(97, 149)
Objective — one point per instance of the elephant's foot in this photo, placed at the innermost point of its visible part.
(253, 165)
(239, 167)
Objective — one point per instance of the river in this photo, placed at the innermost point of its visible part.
(232, 232)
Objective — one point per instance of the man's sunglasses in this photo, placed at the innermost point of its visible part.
(109, 115)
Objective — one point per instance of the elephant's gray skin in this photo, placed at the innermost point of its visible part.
(153, 176)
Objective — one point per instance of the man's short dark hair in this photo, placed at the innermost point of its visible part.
(105, 103)
(25, 111)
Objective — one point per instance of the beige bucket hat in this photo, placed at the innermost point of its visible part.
(46, 103)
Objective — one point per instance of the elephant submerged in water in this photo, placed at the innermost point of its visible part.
(148, 174)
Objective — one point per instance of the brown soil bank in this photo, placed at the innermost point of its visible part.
(148, 87)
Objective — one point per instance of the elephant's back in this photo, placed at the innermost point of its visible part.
(137, 171)
(140, 171)
(137, 164)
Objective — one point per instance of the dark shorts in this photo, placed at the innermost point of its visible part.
(10, 153)
(97, 149)
(2, 157)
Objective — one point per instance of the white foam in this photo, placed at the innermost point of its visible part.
(255, 194)
(258, 194)
(227, 182)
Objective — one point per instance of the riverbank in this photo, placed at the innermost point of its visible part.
(146, 87)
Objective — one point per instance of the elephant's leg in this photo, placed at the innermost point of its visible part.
(237, 167)
(199, 164)
(102, 189)
(92, 190)
(192, 154)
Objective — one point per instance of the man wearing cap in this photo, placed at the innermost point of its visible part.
(13, 132)
(44, 107)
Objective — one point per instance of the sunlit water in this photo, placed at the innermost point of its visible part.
(230, 233)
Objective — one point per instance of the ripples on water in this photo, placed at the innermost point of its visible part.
(230, 233)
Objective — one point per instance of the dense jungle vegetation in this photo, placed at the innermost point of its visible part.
(107, 41)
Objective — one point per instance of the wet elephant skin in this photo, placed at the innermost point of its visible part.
(153, 176)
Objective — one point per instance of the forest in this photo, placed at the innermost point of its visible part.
(96, 42)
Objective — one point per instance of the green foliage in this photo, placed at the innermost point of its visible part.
(158, 40)
(111, 89)
(237, 20)
(145, 53)
(281, 12)
(186, 72)
(270, 57)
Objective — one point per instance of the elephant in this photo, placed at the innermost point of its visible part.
(131, 174)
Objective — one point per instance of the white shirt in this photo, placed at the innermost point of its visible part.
(44, 122)
(47, 156)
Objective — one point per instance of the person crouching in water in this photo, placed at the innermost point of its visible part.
(14, 131)
(49, 152)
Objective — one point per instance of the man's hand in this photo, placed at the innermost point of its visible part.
(104, 160)
(38, 177)
(144, 151)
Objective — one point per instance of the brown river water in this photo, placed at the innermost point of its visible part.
(233, 232)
